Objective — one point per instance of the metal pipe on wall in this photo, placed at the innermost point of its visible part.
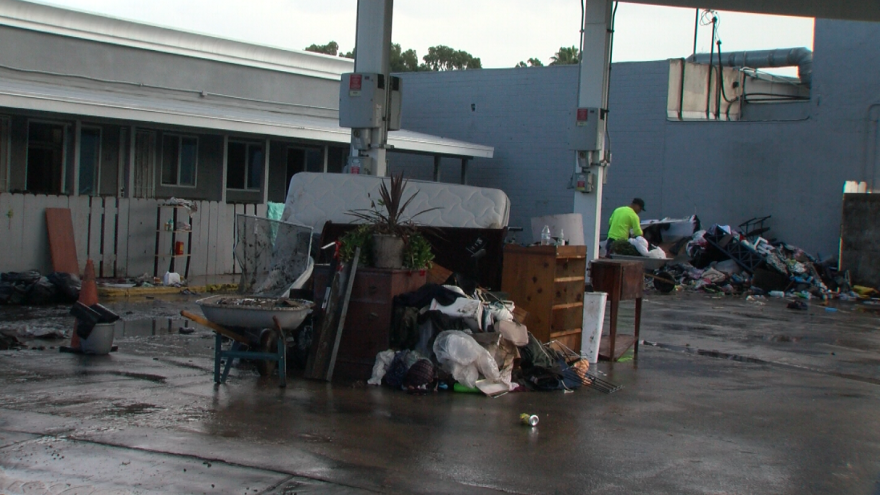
(802, 58)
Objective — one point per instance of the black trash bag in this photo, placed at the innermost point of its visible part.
(25, 278)
(42, 292)
(68, 286)
(7, 290)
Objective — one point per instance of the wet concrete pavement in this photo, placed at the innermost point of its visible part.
(736, 397)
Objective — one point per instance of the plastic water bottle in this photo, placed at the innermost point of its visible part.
(545, 236)
(560, 241)
(776, 293)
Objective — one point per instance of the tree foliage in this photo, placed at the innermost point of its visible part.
(403, 61)
(329, 49)
(532, 62)
(565, 56)
(439, 57)
(442, 57)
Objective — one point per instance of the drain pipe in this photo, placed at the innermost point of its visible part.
(759, 59)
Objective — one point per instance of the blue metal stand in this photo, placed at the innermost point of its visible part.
(280, 356)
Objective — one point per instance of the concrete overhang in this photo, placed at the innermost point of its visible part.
(855, 10)
(212, 113)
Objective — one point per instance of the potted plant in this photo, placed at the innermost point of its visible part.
(388, 238)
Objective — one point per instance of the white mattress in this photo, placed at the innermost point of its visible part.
(316, 198)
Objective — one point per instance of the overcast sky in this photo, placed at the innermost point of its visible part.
(500, 32)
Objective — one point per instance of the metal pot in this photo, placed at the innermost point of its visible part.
(387, 251)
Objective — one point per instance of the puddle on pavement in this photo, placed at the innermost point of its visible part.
(149, 327)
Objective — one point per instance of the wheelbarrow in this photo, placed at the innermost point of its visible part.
(253, 323)
(662, 280)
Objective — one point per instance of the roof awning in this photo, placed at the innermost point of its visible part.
(154, 106)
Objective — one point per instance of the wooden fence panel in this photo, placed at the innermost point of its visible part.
(213, 235)
(34, 239)
(108, 239)
(120, 267)
(12, 209)
(141, 236)
(96, 212)
(79, 213)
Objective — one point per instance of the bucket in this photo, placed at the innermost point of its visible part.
(100, 340)
(594, 318)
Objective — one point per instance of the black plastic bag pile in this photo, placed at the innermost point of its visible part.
(31, 288)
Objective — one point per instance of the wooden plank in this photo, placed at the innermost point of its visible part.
(108, 240)
(79, 211)
(121, 238)
(34, 253)
(96, 230)
(62, 244)
(322, 356)
(262, 210)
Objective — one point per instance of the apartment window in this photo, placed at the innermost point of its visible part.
(4, 153)
(336, 159)
(89, 160)
(244, 165)
(45, 158)
(179, 158)
(304, 160)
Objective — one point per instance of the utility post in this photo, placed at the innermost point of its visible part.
(588, 122)
(369, 101)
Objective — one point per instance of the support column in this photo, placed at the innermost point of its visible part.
(129, 167)
(373, 46)
(593, 93)
(266, 174)
(436, 168)
(225, 169)
(464, 164)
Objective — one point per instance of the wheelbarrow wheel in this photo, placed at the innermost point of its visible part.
(268, 343)
(664, 282)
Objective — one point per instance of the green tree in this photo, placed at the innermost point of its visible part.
(403, 61)
(329, 49)
(565, 56)
(442, 57)
(533, 62)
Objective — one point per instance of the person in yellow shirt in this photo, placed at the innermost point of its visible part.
(625, 222)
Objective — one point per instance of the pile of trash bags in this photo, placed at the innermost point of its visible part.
(32, 288)
(457, 337)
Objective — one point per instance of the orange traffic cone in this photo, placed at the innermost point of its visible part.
(88, 295)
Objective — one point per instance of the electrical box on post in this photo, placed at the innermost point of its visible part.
(395, 103)
(361, 100)
(587, 130)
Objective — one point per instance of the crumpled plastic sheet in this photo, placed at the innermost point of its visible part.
(459, 354)
(383, 361)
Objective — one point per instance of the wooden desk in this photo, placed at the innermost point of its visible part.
(623, 281)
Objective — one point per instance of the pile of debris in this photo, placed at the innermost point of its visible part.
(723, 260)
(17, 288)
(458, 337)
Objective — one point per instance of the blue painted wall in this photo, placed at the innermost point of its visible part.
(725, 172)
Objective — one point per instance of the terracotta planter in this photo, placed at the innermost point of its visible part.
(387, 251)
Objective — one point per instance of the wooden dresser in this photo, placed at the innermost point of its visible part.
(368, 322)
(548, 282)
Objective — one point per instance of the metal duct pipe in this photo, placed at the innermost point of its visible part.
(757, 59)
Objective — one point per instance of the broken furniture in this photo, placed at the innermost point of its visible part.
(325, 344)
(548, 282)
(170, 220)
(367, 329)
(623, 281)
